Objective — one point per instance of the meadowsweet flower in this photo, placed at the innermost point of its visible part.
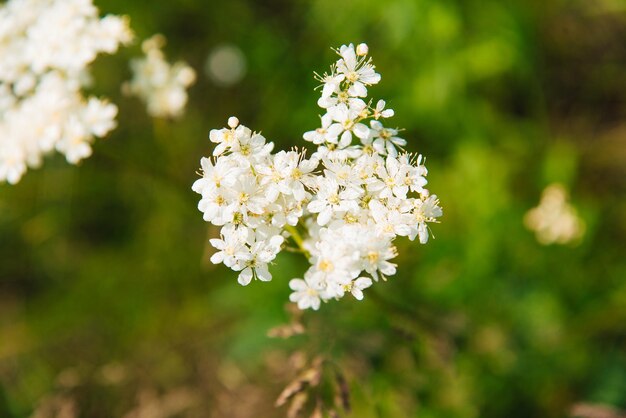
(231, 246)
(328, 133)
(346, 120)
(390, 179)
(359, 72)
(253, 264)
(384, 140)
(161, 85)
(381, 112)
(555, 220)
(389, 221)
(290, 174)
(332, 199)
(342, 208)
(46, 47)
(305, 293)
(425, 210)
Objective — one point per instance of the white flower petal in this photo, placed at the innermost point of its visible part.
(245, 277)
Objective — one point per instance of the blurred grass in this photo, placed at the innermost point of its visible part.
(103, 270)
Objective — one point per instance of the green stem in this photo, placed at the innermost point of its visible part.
(293, 231)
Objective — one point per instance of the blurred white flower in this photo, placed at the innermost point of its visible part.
(45, 49)
(555, 220)
(162, 86)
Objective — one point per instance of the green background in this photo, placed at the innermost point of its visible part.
(109, 306)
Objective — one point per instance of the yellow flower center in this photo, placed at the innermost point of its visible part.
(245, 149)
(326, 266)
(352, 76)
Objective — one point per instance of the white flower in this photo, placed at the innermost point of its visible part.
(357, 286)
(343, 214)
(161, 85)
(327, 133)
(288, 212)
(381, 112)
(416, 173)
(254, 265)
(555, 220)
(45, 50)
(231, 246)
(330, 199)
(99, 116)
(305, 294)
(332, 85)
(225, 138)
(249, 147)
(391, 179)
(388, 221)
(12, 163)
(75, 141)
(347, 121)
(248, 197)
(357, 71)
(295, 173)
(342, 172)
(384, 140)
(333, 270)
(375, 254)
(342, 97)
(221, 175)
(366, 166)
(425, 210)
(218, 206)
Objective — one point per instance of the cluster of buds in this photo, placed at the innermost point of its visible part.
(342, 208)
(45, 49)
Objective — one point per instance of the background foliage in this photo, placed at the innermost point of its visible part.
(108, 306)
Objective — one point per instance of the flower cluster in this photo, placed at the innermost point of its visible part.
(45, 48)
(342, 208)
(555, 220)
(161, 85)
(254, 195)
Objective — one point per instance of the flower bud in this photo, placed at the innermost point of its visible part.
(233, 122)
(362, 50)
